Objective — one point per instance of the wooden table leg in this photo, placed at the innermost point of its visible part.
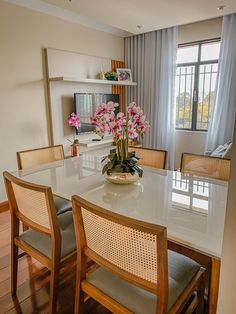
(214, 285)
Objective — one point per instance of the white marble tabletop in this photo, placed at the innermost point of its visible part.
(192, 208)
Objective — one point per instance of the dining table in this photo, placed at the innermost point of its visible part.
(192, 208)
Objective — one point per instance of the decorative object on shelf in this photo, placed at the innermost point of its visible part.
(121, 166)
(111, 76)
(74, 121)
(124, 75)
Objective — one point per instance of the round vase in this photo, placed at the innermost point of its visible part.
(122, 178)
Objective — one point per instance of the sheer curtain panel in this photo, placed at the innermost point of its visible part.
(152, 58)
(224, 107)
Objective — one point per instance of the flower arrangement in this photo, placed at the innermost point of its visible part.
(123, 128)
(74, 121)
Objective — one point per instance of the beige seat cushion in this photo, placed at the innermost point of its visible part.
(181, 271)
(43, 243)
(62, 205)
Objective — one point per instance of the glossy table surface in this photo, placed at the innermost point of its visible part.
(192, 208)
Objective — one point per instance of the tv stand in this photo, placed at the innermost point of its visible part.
(96, 142)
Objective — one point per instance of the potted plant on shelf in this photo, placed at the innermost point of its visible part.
(122, 165)
(74, 121)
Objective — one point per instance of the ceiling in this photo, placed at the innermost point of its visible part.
(123, 16)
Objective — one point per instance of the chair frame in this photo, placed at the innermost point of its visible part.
(202, 156)
(19, 158)
(161, 289)
(153, 150)
(56, 261)
(20, 164)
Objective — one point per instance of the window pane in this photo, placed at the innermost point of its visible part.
(184, 85)
(187, 54)
(207, 82)
(210, 51)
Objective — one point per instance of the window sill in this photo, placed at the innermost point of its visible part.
(190, 131)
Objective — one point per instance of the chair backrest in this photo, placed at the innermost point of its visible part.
(34, 157)
(32, 204)
(213, 167)
(134, 250)
(150, 157)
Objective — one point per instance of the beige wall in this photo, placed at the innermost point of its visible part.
(23, 34)
(227, 300)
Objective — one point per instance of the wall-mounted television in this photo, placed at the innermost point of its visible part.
(86, 104)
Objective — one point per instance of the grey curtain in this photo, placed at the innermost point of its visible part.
(152, 59)
(224, 107)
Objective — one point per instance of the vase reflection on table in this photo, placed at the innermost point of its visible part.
(121, 165)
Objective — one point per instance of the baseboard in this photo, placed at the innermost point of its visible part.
(4, 206)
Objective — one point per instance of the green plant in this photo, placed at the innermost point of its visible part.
(116, 165)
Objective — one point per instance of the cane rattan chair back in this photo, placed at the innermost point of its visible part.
(213, 167)
(34, 157)
(150, 157)
(134, 250)
(31, 203)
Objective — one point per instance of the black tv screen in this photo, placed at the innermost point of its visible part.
(86, 105)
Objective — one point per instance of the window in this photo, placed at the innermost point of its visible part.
(197, 66)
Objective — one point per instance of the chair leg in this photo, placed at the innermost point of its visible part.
(14, 269)
(79, 297)
(54, 279)
(201, 293)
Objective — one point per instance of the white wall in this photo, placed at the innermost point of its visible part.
(227, 300)
(188, 141)
(23, 34)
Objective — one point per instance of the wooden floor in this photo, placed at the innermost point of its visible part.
(33, 282)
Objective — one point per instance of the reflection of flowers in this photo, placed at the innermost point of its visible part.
(74, 121)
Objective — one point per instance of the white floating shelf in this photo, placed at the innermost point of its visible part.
(90, 81)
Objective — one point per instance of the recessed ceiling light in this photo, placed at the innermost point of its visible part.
(221, 7)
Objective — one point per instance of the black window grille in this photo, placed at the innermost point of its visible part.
(197, 66)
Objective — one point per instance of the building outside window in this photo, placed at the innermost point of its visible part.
(197, 66)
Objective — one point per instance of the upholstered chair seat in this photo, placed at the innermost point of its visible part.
(181, 270)
(43, 243)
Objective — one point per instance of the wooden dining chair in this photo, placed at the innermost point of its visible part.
(150, 157)
(207, 166)
(136, 273)
(50, 238)
(34, 157)
(38, 156)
